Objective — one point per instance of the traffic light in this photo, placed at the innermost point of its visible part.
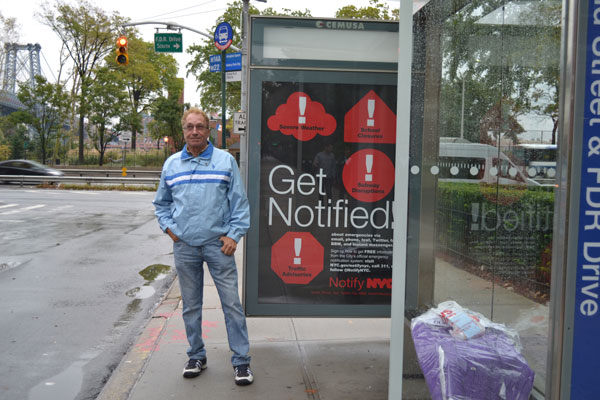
(122, 56)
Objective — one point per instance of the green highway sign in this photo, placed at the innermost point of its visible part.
(168, 43)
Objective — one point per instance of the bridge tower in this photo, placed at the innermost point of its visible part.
(21, 62)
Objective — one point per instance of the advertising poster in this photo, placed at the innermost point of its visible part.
(326, 192)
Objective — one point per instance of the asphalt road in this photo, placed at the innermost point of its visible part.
(80, 273)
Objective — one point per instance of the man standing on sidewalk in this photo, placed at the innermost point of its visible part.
(201, 204)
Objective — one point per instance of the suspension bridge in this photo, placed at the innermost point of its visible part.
(21, 64)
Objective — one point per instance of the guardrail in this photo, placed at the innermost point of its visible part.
(79, 179)
(108, 172)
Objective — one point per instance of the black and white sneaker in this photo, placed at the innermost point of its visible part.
(243, 375)
(194, 367)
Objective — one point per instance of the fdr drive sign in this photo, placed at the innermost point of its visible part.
(586, 313)
(168, 43)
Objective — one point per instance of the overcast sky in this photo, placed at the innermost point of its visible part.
(200, 15)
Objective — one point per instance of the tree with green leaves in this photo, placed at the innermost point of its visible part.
(547, 17)
(14, 134)
(9, 33)
(87, 34)
(47, 105)
(167, 111)
(107, 102)
(375, 10)
(145, 77)
(210, 82)
(499, 71)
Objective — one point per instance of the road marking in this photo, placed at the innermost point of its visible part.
(44, 192)
(33, 207)
(85, 192)
(10, 212)
(22, 209)
(63, 207)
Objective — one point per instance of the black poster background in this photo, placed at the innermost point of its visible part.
(356, 262)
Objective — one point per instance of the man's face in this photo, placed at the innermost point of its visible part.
(196, 131)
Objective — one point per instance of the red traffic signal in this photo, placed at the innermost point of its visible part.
(122, 56)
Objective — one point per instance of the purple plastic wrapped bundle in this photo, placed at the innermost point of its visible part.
(485, 367)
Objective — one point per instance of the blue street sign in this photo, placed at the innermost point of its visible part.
(233, 62)
(223, 36)
(586, 323)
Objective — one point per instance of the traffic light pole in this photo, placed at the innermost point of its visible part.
(173, 27)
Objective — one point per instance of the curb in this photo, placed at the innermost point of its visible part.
(123, 379)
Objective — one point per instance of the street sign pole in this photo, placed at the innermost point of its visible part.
(223, 39)
(223, 83)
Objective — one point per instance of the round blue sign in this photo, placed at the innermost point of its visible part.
(223, 36)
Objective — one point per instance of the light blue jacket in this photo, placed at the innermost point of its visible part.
(202, 198)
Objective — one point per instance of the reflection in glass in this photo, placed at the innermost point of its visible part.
(493, 173)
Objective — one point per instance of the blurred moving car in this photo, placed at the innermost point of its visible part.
(28, 168)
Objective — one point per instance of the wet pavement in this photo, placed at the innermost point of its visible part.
(78, 282)
(296, 358)
(292, 358)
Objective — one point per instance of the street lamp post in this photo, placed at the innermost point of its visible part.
(462, 111)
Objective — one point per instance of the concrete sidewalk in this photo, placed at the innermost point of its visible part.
(303, 358)
(293, 358)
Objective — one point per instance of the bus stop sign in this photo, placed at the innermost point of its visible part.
(223, 36)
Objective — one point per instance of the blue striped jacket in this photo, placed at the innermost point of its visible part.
(202, 198)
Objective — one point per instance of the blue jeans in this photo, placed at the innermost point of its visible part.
(189, 263)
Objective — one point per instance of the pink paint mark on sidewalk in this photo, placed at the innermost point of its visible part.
(207, 328)
(149, 340)
(177, 336)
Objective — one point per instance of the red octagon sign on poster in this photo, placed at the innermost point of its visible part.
(297, 258)
(368, 175)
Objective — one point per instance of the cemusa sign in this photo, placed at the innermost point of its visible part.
(340, 25)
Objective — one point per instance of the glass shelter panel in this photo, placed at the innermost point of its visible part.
(483, 163)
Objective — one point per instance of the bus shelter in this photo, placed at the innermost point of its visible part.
(382, 152)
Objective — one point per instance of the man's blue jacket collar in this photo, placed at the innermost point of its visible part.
(207, 153)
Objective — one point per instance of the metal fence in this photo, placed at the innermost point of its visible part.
(33, 179)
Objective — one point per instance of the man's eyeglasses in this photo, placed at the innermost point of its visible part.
(191, 127)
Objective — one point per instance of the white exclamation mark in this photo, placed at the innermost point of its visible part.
(369, 164)
(302, 104)
(371, 110)
(474, 216)
(297, 248)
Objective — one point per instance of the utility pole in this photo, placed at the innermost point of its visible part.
(244, 96)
